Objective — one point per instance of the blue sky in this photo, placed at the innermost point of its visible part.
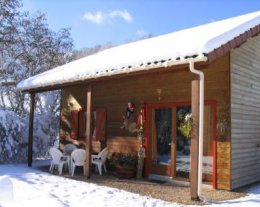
(94, 22)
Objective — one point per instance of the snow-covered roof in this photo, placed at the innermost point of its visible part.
(162, 50)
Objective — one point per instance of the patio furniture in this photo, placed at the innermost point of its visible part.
(57, 159)
(77, 159)
(69, 148)
(56, 143)
(100, 160)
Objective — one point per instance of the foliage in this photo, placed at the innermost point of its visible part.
(123, 159)
(186, 125)
(89, 51)
(28, 47)
(13, 137)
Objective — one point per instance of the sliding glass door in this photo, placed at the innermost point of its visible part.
(169, 130)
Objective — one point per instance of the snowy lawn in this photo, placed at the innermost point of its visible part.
(36, 188)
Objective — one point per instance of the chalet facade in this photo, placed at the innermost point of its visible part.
(162, 84)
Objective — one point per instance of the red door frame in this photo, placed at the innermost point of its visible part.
(148, 119)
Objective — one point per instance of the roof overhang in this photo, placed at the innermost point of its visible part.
(163, 66)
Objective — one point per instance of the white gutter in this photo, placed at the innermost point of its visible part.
(201, 122)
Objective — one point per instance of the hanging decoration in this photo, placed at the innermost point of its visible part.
(140, 137)
(140, 119)
(128, 123)
(129, 110)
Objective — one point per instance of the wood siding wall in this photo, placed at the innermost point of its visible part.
(128, 145)
(175, 85)
(245, 113)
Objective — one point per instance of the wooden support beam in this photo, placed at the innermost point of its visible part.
(194, 140)
(88, 134)
(30, 135)
(174, 141)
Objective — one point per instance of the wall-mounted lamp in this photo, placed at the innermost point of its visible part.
(159, 92)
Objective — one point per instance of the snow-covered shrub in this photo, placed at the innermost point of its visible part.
(28, 47)
(13, 135)
(14, 130)
(46, 122)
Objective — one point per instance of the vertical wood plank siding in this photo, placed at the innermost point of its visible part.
(245, 113)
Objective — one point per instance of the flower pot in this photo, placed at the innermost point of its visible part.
(125, 171)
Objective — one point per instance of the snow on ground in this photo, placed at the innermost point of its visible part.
(32, 187)
(36, 188)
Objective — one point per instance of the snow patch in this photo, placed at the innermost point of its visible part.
(6, 190)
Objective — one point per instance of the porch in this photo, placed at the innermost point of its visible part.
(169, 89)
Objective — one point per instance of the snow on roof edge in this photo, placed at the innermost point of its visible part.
(141, 55)
(150, 66)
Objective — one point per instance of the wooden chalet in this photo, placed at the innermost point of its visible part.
(155, 75)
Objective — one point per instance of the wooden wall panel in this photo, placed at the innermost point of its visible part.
(245, 113)
(175, 85)
(223, 165)
(128, 145)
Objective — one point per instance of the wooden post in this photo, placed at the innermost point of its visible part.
(194, 140)
(30, 135)
(174, 141)
(88, 134)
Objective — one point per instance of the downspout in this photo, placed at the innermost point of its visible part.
(201, 121)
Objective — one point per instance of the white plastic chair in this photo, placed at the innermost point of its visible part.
(56, 143)
(77, 159)
(57, 159)
(100, 160)
(69, 148)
